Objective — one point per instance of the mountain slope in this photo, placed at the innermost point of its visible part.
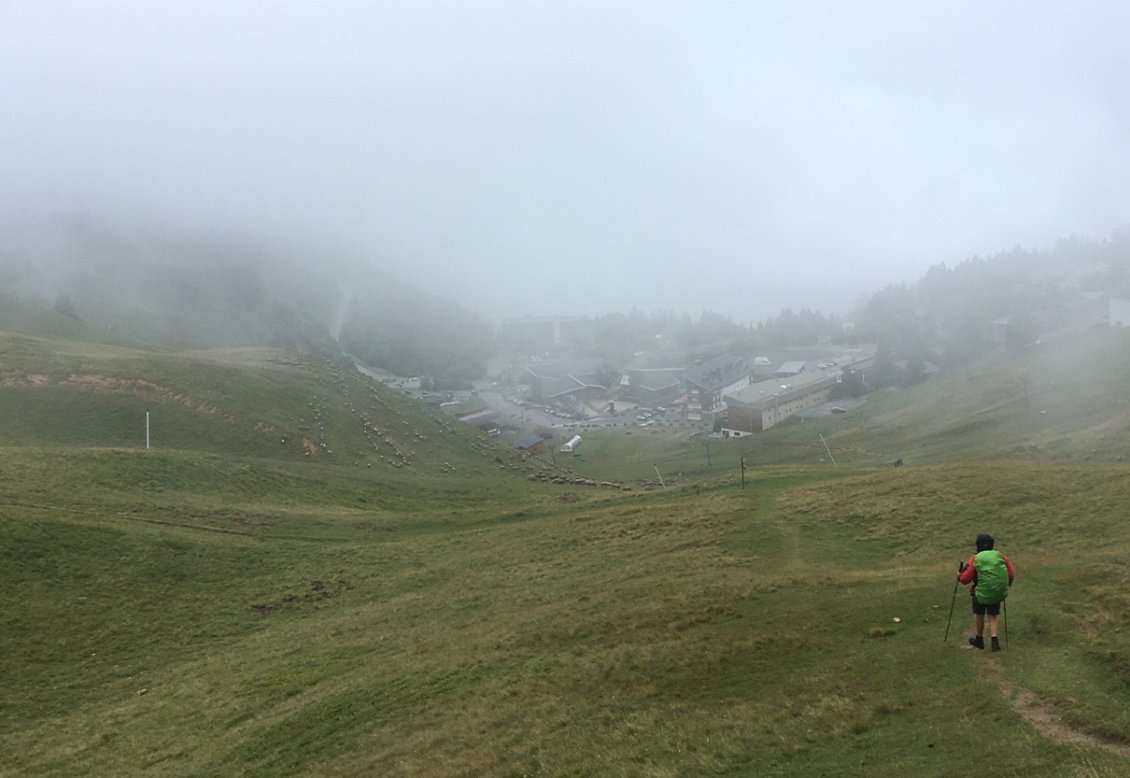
(165, 289)
(275, 426)
(1065, 398)
(229, 604)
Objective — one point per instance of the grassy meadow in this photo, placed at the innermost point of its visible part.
(309, 575)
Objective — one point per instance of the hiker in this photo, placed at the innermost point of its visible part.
(991, 575)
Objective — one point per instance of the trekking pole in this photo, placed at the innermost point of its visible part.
(957, 583)
(1004, 605)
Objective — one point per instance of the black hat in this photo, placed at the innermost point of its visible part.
(984, 541)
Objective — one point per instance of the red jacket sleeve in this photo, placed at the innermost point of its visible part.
(966, 576)
(1011, 572)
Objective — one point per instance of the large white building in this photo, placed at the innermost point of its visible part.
(766, 404)
(763, 405)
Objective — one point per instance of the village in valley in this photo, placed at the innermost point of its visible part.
(537, 391)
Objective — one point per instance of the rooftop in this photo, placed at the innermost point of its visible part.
(765, 394)
(719, 372)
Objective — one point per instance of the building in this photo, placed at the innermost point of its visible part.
(656, 386)
(763, 405)
(531, 444)
(711, 381)
(486, 419)
(789, 369)
(562, 381)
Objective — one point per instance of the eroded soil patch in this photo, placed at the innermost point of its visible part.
(1044, 718)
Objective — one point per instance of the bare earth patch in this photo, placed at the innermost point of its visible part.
(1044, 719)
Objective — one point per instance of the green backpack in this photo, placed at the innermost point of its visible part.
(992, 577)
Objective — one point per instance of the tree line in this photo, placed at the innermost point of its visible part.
(199, 293)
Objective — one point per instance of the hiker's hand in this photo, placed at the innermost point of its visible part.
(961, 567)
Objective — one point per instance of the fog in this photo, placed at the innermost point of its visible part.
(580, 157)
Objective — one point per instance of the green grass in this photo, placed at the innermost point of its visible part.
(228, 606)
(1068, 398)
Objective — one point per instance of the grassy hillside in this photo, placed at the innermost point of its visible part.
(1067, 398)
(256, 402)
(228, 604)
(36, 316)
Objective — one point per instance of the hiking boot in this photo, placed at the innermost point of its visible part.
(996, 643)
(977, 642)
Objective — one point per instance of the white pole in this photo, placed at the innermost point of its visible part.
(147, 429)
(660, 477)
(828, 450)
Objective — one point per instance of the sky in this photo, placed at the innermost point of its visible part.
(533, 158)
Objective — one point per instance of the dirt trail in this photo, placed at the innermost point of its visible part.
(1044, 719)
